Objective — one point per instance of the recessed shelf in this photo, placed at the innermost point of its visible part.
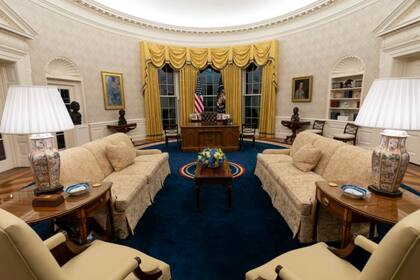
(338, 89)
(342, 108)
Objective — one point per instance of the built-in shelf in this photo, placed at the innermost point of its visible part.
(343, 108)
(344, 98)
(353, 88)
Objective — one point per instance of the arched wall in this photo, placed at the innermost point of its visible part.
(308, 45)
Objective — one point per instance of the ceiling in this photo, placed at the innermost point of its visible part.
(208, 13)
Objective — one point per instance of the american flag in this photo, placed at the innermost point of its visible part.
(198, 98)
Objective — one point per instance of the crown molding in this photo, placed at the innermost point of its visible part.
(13, 23)
(120, 16)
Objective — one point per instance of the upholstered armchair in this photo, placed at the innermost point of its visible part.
(25, 256)
(396, 257)
(349, 135)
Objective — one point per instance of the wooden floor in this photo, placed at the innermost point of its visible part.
(17, 178)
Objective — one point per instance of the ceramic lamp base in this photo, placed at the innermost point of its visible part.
(45, 164)
(389, 163)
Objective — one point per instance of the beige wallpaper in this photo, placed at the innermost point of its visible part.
(91, 49)
(311, 52)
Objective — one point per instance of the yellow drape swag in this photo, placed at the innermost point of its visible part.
(230, 60)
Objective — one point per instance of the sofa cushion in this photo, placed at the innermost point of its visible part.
(350, 164)
(298, 185)
(124, 188)
(160, 158)
(97, 148)
(267, 159)
(301, 140)
(307, 157)
(117, 138)
(120, 155)
(328, 147)
(79, 165)
(143, 168)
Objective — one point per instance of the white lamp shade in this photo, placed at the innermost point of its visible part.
(392, 103)
(34, 109)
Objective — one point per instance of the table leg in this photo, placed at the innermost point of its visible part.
(197, 196)
(83, 228)
(346, 228)
(229, 195)
(372, 227)
(315, 232)
(111, 216)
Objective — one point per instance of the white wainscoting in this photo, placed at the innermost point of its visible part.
(366, 137)
(100, 130)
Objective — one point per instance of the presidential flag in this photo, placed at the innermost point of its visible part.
(198, 98)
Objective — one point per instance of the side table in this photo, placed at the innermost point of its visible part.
(373, 209)
(75, 208)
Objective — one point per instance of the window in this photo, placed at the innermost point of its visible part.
(168, 100)
(252, 96)
(209, 80)
(65, 95)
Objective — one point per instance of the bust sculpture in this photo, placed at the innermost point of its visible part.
(121, 119)
(75, 116)
(295, 117)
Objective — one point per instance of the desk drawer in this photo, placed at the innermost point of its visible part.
(330, 204)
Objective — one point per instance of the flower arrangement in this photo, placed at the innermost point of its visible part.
(212, 158)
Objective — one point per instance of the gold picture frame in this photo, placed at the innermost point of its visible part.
(113, 90)
(302, 89)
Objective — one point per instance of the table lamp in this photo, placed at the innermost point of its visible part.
(38, 110)
(394, 105)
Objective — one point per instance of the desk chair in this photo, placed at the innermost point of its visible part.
(25, 256)
(172, 132)
(317, 127)
(396, 257)
(350, 133)
(247, 132)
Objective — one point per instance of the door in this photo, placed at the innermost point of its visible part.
(7, 77)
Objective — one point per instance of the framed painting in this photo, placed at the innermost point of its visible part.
(113, 90)
(302, 89)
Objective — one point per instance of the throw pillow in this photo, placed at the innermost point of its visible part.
(307, 157)
(120, 155)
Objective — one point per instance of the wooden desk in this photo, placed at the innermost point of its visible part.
(197, 136)
(221, 175)
(373, 209)
(75, 208)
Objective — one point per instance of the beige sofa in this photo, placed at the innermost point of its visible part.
(134, 187)
(292, 191)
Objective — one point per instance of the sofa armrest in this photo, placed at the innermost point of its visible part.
(277, 151)
(365, 243)
(285, 274)
(148, 152)
(55, 240)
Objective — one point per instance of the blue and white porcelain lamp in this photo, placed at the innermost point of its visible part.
(38, 111)
(392, 104)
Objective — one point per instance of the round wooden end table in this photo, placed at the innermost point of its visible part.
(375, 208)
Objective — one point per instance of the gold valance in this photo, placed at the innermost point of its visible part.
(177, 57)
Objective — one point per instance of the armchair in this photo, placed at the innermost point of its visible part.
(247, 132)
(394, 258)
(25, 256)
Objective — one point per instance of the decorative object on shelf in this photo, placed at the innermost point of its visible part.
(77, 189)
(349, 83)
(113, 90)
(75, 116)
(121, 119)
(392, 104)
(302, 89)
(342, 118)
(211, 157)
(295, 117)
(354, 191)
(38, 110)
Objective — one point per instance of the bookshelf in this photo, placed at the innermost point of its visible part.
(345, 97)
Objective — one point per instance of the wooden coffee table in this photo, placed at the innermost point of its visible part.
(373, 209)
(220, 175)
(75, 208)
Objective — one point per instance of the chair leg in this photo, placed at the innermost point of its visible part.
(253, 141)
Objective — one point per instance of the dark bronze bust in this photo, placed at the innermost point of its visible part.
(121, 119)
(295, 117)
(75, 116)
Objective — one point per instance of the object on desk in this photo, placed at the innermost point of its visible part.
(77, 189)
(47, 200)
(332, 184)
(354, 191)
(97, 185)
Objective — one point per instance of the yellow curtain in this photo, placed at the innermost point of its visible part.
(268, 101)
(187, 84)
(232, 80)
(227, 59)
(152, 105)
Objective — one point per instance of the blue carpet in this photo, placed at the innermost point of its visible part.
(213, 242)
